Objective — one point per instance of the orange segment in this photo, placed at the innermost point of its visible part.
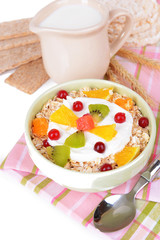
(40, 127)
(127, 103)
(106, 132)
(126, 155)
(100, 93)
(64, 116)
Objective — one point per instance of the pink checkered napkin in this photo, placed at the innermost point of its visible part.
(146, 224)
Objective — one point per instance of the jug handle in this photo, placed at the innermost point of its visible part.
(120, 40)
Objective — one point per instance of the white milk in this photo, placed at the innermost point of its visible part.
(76, 16)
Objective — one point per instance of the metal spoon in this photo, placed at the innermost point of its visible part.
(117, 211)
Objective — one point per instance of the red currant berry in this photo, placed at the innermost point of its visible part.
(62, 94)
(106, 167)
(46, 143)
(54, 134)
(77, 106)
(143, 122)
(120, 117)
(99, 147)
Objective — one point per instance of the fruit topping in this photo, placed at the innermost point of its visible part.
(126, 155)
(85, 122)
(40, 127)
(106, 132)
(100, 93)
(54, 134)
(77, 106)
(99, 147)
(62, 94)
(64, 116)
(76, 140)
(98, 111)
(106, 167)
(59, 154)
(120, 117)
(143, 122)
(127, 103)
(46, 143)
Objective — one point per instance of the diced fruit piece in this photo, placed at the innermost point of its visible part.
(46, 143)
(100, 93)
(54, 134)
(77, 106)
(127, 103)
(76, 140)
(143, 122)
(40, 127)
(106, 132)
(126, 155)
(62, 94)
(99, 147)
(120, 117)
(106, 167)
(64, 116)
(85, 122)
(86, 114)
(59, 154)
(98, 111)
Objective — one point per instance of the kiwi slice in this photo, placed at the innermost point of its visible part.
(76, 140)
(59, 154)
(98, 111)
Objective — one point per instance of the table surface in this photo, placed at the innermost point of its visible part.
(23, 214)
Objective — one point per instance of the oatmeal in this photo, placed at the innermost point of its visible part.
(90, 130)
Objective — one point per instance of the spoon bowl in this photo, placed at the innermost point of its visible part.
(114, 213)
(117, 211)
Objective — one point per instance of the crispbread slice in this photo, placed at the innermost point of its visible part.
(28, 77)
(18, 42)
(15, 57)
(16, 28)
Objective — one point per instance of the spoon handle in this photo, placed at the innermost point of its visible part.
(147, 176)
(152, 170)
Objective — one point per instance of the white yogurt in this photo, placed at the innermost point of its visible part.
(87, 153)
(75, 16)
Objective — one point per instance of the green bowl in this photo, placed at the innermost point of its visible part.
(90, 182)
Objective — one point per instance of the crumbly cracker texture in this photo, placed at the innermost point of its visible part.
(28, 77)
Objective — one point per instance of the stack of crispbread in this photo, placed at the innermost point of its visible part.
(20, 49)
(146, 15)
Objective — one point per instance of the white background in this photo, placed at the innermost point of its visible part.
(23, 214)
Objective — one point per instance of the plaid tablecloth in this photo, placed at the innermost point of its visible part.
(81, 206)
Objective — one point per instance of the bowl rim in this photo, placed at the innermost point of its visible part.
(106, 173)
